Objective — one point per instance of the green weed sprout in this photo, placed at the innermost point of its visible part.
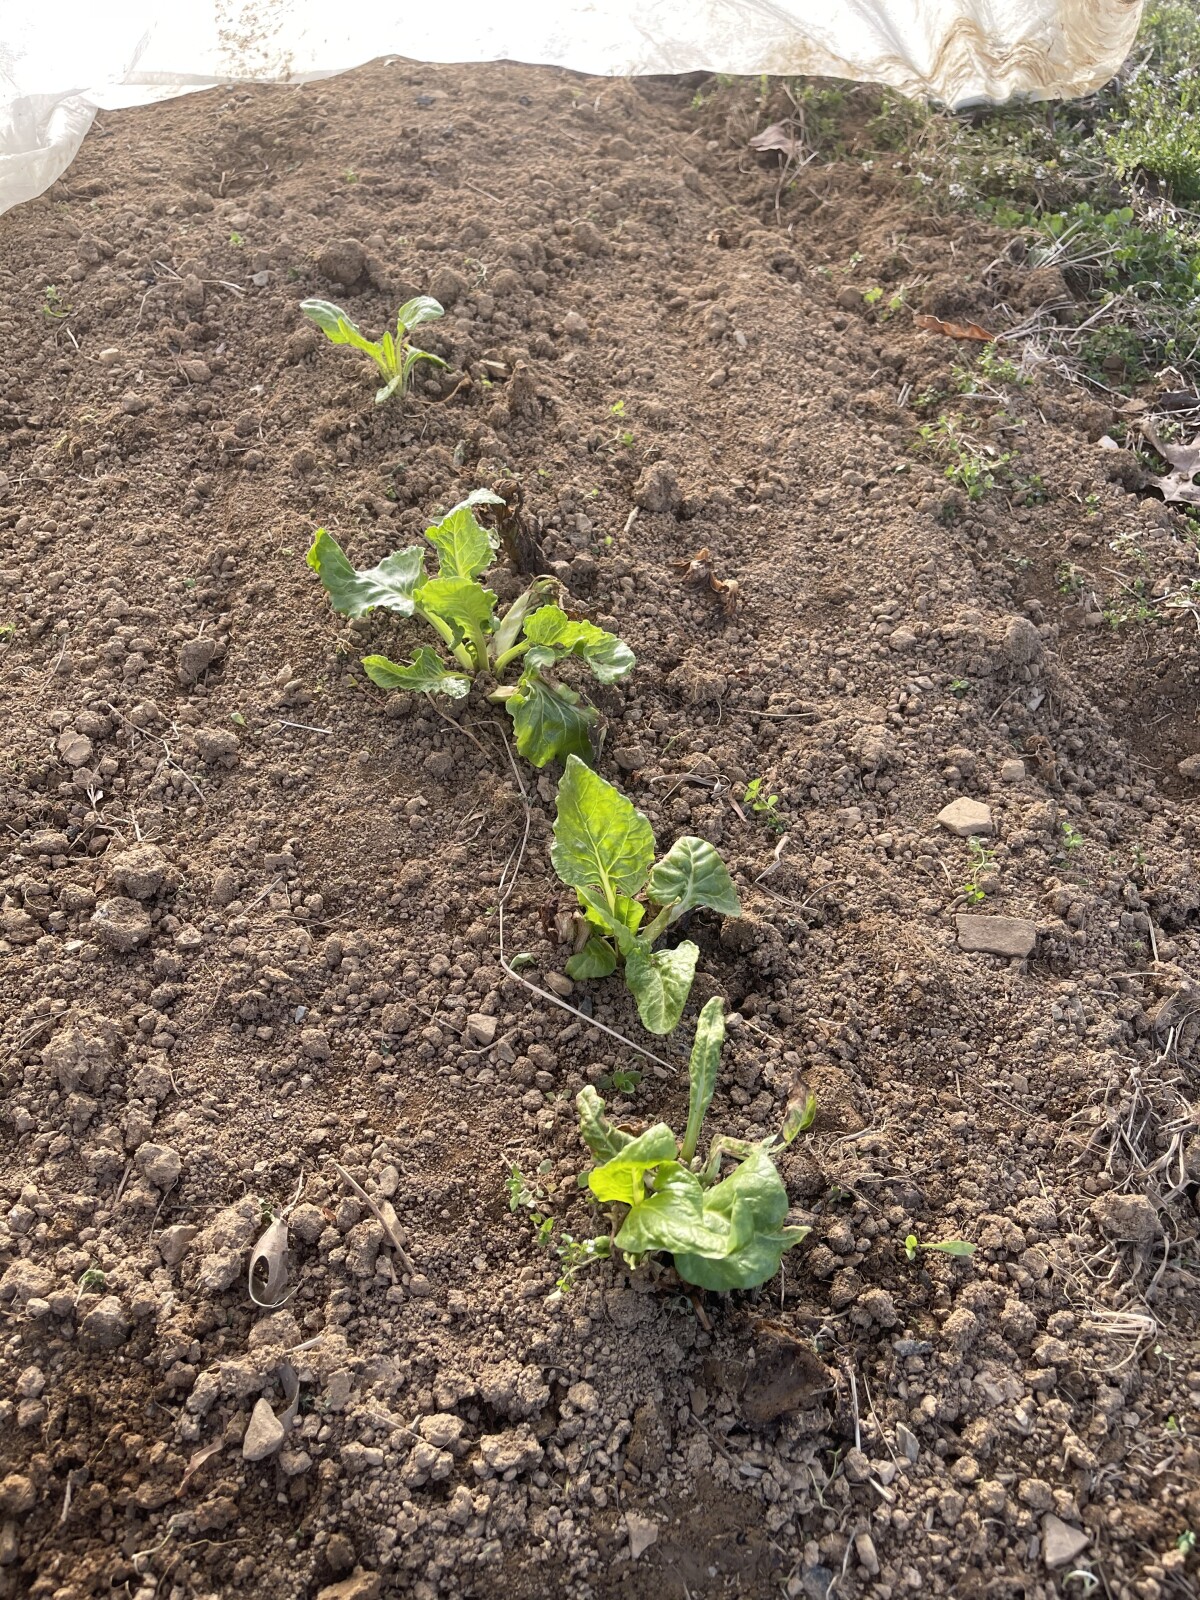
(393, 354)
(764, 806)
(721, 1233)
(604, 850)
(948, 1247)
(550, 719)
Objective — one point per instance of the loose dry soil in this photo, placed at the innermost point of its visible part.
(250, 901)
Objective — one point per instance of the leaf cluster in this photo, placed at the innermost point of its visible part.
(721, 1232)
(604, 850)
(392, 354)
(550, 719)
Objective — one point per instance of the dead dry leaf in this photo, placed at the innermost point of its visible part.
(1178, 486)
(199, 1457)
(779, 136)
(268, 1267)
(955, 330)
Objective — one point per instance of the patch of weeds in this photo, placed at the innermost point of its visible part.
(621, 1081)
(53, 304)
(604, 850)
(883, 310)
(764, 807)
(1071, 836)
(574, 1254)
(975, 468)
(721, 1232)
(982, 862)
(1133, 603)
(550, 719)
(1068, 578)
(393, 354)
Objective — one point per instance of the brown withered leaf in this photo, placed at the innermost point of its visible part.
(954, 330)
(779, 136)
(1178, 485)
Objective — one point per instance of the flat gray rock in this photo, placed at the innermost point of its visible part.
(966, 817)
(1061, 1542)
(995, 936)
(264, 1435)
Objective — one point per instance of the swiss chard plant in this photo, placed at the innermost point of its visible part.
(393, 354)
(531, 639)
(721, 1232)
(604, 849)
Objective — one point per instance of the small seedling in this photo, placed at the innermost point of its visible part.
(763, 806)
(1186, 1541)
(1072, 838)
(604, 849)
(960, 687)
(92, 1281)
(722, 1233)
(393, 354)
(236, 240)
(621, 1082)
(982, 861)
(550, 720)
(948, 1247)
(53, 304)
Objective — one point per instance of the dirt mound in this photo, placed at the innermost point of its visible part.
(249, 913)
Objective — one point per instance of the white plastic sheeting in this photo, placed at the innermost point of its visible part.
(60, 62)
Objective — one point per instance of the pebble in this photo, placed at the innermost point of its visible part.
(173, 1242)
(642, 1531)
(264, 1433)
(343, 261)
(995, 936)
(121, 924)
(105, 1327)
(575, 326)
(657, 489)
(160, 1164)
(137, 871)
(864, 1549)
(194, 659)
(1189, 767)
(74, 748)
(902, 639)
(965, 817)
(481, 1029)
(558, 983)
(1012, 771)
(1062, 1543)
(908, 1442)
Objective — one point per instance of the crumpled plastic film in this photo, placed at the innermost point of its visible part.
(59, 63)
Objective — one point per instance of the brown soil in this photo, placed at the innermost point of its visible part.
(311, 917)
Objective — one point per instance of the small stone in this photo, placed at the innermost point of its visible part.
(48, 843)
(224, 887)
(1128, 1218)
(105, 1327)
(575, 326)
(160, 1164)
(642, 1531)
(516, 1450)
(1189, 767)
(17, 1494)
(559, 983)
(196, 371)
(264, 1433)
(658, 489)
(857, 1465)
(121, 924)
(194, 659)
(137, 871)
(173, 1242)
(447, 286)
(908, 1442)
(864, 1549)
(995, 936)
(965, 817)
(293, 1462)
(1022, 642)
(218, 747)
(315, 1044)
(1061, 1543)
(879, 1306)
(360, 1585)
(1012, 771)
(74, 748)
(965, 1470)
(481, 1029)
(902, 639)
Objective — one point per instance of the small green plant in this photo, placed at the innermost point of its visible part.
(982, 861)
(764, 806)
(1068, 578)
(236, 240)
(575, 1254)
(960, 687)
(721, 1233)
(1186, 1541)
(53, 304)
(621, 1081)
(549, 719)
(974, 468)
(604, 850)
(1072, 838)
(948, 1247)
(393, 354)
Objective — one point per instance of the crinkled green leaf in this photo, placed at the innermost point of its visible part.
(602, 1138)
(673, 1217)
(660, 981)
(693, 874)
(597, 959)
(550, 723)
(414, 312)
(338, 328)
(609, 658)
(745, 1268)
(464, 549)
(391, 584)
(601, 840)
(623, 925)
(702, 1070)
(424, 674)
(622, 1178)
(466, 605)
(510, 626)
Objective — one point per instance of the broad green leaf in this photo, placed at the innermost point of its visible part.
(623, 925)
(510, 627)
(801, 1114)
(623, 1178)
(660, 982)
(600, 839)
(414, 312)
(387, 349)
(411, 357)
(702, 1070)
(550, 723)
(338, 328)
(464, 549)
(390, 584)
(673, 1217)
(425, 674)
(459, 601)
(692, 874)
(755, 1183)
(610, 658)
(952, 1247)
(754, 1263)
(603, 1139)
(597, 959)
(389, 389)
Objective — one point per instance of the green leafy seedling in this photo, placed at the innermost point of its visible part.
(604, 850)
(550, 719)
(948, 1247)
(982, 861)
(764, 806)
(393, 354)
(1072, 838)
(721, 1232)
